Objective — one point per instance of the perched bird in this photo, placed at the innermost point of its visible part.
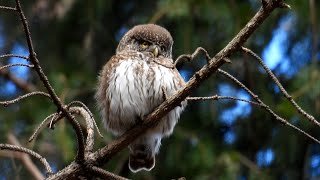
(133, 83)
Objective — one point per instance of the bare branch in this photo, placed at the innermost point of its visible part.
(18, 64)
(33, 58)
(8, 8)
(193, 55)
(29, 152)
(217, 97)
(267, 108)
(14, 55)
(36, 132)
(105, 153)
(89, 124)
(25, 158)
(283, 91)
(105, 174)
(6, 103)
(88, 110)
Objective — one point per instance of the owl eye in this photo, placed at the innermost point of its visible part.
(144, 44)
(163, 48)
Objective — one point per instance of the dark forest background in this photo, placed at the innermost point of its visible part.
(214, 139)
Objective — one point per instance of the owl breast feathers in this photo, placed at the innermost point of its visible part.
(131, 85)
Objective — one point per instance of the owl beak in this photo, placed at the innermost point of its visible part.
(155, 52)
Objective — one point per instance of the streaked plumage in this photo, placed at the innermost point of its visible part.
(131, 85)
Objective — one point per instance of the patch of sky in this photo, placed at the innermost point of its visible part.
(229, 137)
(9, 88)
(274, 55)
(186, 75)
(18, 71)
(315, 165)
(265, 157)
(240, 109)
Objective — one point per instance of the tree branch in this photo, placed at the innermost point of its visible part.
(283, 91)
(29, 165)
(266, 107)
(33, 58)
(6, 103)
(102, 155)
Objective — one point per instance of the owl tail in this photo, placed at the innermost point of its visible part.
(140, 161)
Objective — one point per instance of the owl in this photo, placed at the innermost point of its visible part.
(133, 83)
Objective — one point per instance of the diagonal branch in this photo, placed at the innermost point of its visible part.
(266, 107)
(283, 91)
(105, 153)
(102, 155)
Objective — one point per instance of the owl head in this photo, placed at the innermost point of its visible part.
(147, 38)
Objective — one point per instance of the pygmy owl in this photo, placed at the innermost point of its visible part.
(131, 85)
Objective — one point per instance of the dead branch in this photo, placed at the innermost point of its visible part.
(266, 107)
(8, 8)
(18, 64)
(217, 97)
(33, 58)
(102, 155)
(105, 174)
(28, 152)
(25, 158)
(89, 125)
(36, 132)
(283, 91)
(14, 55)
(6, 103)
(88, 110)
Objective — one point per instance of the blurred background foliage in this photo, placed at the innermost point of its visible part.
(214, 139)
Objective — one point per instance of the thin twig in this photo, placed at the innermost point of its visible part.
(217, 97)
(36, 132)
(105, 174)
(25, 158)
(192, 56)
(18, 64)
(14, 55)
(90, 113)
(31, 153)
(8, 8)
(284, 92)
(33, 58)
(188, 57)
(6, 103)
(266, 107)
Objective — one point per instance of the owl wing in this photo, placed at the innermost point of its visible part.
(103, 84)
